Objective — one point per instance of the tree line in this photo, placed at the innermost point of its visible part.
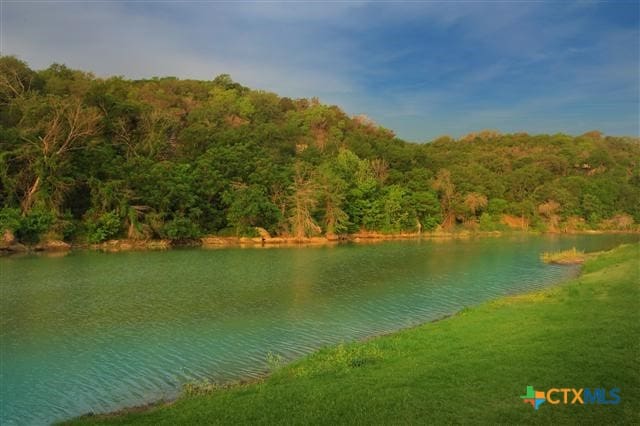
(89, 159)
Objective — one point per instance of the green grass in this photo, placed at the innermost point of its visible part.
(566, 257)
(470, 368)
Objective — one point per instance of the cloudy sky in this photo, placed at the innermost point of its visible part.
(422, 69)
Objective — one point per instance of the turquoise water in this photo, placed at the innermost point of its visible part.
(94, 332)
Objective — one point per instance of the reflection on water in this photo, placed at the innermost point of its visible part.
(97, 332)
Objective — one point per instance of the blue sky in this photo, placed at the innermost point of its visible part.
(422, 69)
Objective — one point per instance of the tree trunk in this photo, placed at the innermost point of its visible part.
(449, 220)
(28, 199)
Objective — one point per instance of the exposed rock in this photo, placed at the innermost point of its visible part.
(57, 245)
(8, 238)
(276, 240)
(515, 222)
(126, 245)
(246, 241)
(332, 237)
(213, 241)
(52, 245)
(13, 248)
(188, 242)
(158, 244)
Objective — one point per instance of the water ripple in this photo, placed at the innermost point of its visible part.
(97, 332)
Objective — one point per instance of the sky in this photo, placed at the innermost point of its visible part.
(421, 69)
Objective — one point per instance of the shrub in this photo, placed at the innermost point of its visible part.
(429, 223)
(9, 219)
(106, 226)
(63, 228)
(487, 223)
(618, 222)
(181, 228)
(490, 222)
(33, 225)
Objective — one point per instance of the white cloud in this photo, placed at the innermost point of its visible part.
(321, 49)
(110, 39)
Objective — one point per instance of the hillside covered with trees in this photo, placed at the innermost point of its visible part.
(87, 159)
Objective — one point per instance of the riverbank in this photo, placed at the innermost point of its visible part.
(473, 366)
(213, 241)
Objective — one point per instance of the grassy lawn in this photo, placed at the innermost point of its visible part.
(470, 368)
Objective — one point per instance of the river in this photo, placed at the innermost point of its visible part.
(95, 332)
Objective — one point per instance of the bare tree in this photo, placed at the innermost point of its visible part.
(303, 201)
(475, 202)
(380, 169)
(549, 211)
(51, 133)
(447, 190)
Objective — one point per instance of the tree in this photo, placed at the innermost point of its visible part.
(548, 210)
(178, 159)
(303, 201)
(16, 79)
(380, 169)
(397, 212)
(427, 208)
(446, 189)
(250, 207)
(475, 203)
(52, 127)
(332, 188)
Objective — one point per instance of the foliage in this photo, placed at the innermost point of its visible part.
(105, 226)
(250, 207)
(33, 225)
(488, 222)
(178, 159)
(10, 219)
(181, 228)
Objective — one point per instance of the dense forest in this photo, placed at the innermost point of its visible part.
(88, 159)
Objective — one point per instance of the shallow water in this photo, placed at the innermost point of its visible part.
(94, 332)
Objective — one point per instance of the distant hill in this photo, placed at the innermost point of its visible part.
(90, 159)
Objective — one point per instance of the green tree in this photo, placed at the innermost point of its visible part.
(250, 207)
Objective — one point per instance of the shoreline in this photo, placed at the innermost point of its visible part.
(217, 242)
(539, 297)
(264, 375)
